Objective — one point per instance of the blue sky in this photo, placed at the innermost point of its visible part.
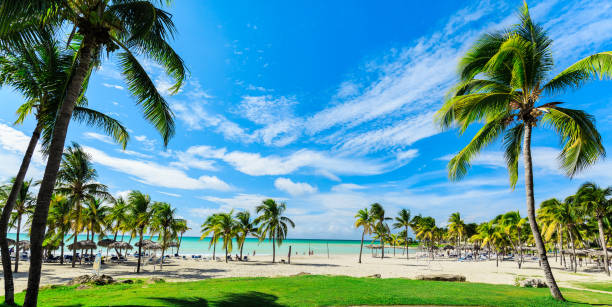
(326, 105)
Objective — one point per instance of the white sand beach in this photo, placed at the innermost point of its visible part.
(391, 267)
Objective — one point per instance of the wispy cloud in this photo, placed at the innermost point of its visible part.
(154, 174)
(100, 137)
(115, 86)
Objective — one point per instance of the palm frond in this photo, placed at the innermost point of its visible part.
(459, 165)
(155, 108)
(598, 65)
(581, 140)
(109, 125)
(513, 146)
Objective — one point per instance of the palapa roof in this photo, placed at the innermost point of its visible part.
(85, 244)
(120, 245)
(106, 242)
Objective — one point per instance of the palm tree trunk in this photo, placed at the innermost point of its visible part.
(214, 247)
(179, 243)
(17, 245)
(39, 220)
(529, 191)
(161, 263)
(9, 288)
(604, 246)
(573, 260)
(62, 250)
(225, 251)
(139, 251)
(273, 250)
(563, 263)
(76, 231)
(520, 249)
(382, 241)
(361, 248)
(406, 239)
(242, 245)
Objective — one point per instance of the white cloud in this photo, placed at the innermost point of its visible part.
(294, 188)
(115, 86)
(170, 194)
(321, 163)
(154, 174)
(147, 143)
(13, 144)
(346, 187)
(100, 137)
(135, 154)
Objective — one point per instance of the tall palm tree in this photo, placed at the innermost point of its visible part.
(117, 217)
(127, 28)
(77, 180)
(513, 224)
(273, 224)
(456, 227)
(40, 73)
(60, 214)
(246, 227)
(95, 218)
(502, 80)
(597, 203)
(24, 205)
(162, 222)
(364, 220)
(141, 211)
(210, 227)
(378, 214)
(402, 220)
(228, 229)
(180, 227)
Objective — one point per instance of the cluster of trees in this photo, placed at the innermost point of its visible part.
(81, 204)
(582, 220)
(227, 226)
(55, 86)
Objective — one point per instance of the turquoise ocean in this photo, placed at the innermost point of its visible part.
(195, 246)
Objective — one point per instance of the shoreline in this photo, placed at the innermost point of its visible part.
(261, 266)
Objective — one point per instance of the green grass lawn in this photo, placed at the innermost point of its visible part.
(310, 291)
(604, 286)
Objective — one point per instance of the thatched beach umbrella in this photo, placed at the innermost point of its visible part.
(106, 243)
(144, 243)
(121, 246)
(10, 241)
(23, 245)
(85, 244)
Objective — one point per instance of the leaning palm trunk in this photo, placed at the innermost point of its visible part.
(361, 248)
(537, 237)
(17, 245)
(179, 243)
(139, 251)
(520, 249)
(76, 232)
(604, 245)
(39, 220)
(406, 239)
(241, 246)
(573, 260)
(9, 287)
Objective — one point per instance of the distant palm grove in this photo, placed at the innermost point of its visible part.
(502, 85)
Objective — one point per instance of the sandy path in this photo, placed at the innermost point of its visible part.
(183, 270)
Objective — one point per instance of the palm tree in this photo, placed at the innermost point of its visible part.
(60, 213)
(77, 180)
(364, 220)
(128, 28)
(274, 224)
(378, 215)
(402, 220)
(40, 73)
(513, 223)
(117, 217)
(209, 227)
(245, 227)
(95, 218)
(456, 227)
(141, 211)
(180, 227)
(564, 216)
(427, 231)
(598, 204)
(162, 222)
(24, 205)
(228, 228)
(502, 79)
